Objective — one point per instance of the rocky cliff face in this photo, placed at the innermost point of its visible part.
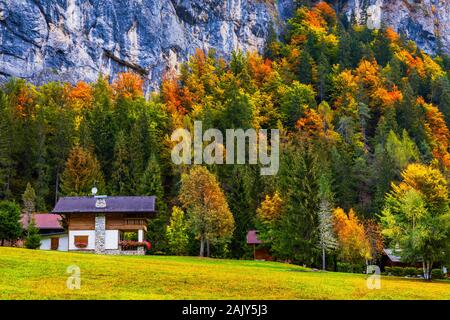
(45, 40)
(69, 40)
(427, 22)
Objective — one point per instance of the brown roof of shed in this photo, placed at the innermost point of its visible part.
(252, 237)
(132, 204)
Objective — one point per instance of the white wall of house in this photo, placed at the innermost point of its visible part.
(112, 239)
(89, 233)
(140, 235)
(45, 244)
(63, 243)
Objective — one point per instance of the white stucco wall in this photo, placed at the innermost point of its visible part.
(63, 243)
(112, 239)
(140, 235)
(45, 244)
(89, 233)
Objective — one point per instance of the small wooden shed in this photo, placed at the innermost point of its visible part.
(259, 252)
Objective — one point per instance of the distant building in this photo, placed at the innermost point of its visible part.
(259, 252)
(53, 235)
(390, 258)
(107, 225)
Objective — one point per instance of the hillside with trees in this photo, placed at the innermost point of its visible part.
(363, 116)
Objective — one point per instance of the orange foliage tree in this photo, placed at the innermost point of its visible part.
(128, 85)
(374, 237)
(80, 96)
(171, 93)
(260, 69)
(413, 63)
(437, 131)
(353, 244)
(326, 11)
(392, 35)
(25, 105)
(311, 124)
(206, 204)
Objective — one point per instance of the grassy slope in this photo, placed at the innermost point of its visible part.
(27, 274)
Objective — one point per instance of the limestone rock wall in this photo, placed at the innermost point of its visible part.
(71, 40)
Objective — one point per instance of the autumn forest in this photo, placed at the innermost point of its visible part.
(364, 146)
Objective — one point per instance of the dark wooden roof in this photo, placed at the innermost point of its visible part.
(138, 204)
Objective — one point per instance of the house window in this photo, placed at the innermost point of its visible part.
(81, 241)
(129, 235)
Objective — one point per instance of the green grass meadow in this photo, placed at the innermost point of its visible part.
(33, 274)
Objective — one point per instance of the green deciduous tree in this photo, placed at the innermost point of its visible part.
(177, 232)
(416, 216)
(294, 100)
(10, 227)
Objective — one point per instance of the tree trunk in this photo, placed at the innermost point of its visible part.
(202, 246)
(207, 248)
(56, 186)
(430, 265)
(323, 259)
(426, 270)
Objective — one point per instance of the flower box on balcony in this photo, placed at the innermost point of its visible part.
(133, 245)
(80, 245)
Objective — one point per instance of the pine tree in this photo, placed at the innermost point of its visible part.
(323, 70)
(381, 48)
(242, 195)
(137, 148)
(305, 68)
(151, 181)
(33, 239)
(6, 137)
(120, 180)
(151, 185)
(441, 96)
(29, 203)
(103, 125)
(297, 233)
(60, 116)
(81, 173)
(344, 50)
